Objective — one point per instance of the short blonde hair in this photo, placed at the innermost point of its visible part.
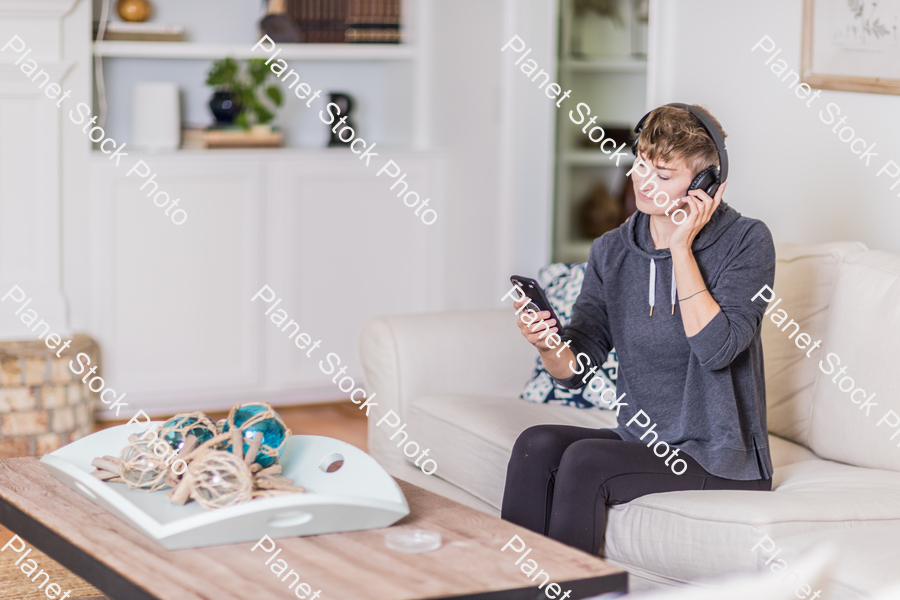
(671, 134)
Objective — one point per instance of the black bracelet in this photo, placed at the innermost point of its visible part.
(692, 295)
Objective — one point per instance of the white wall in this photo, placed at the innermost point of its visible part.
(465, 126)
(787, 167)
(528, 140)
(496, 128)
(75, 153)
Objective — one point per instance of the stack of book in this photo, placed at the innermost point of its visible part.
(201, 138)
(347, 21)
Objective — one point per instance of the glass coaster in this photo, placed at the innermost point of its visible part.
(412, 540)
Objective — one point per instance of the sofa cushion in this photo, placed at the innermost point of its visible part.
(867, 558)
(810, 569)
(471, 437)
(804, 278)
(487, 427)
(786, 453)
(561, 283)
(687, 535)
(862, 339)
(679, 535)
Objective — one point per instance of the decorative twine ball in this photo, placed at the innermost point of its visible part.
(134, 10)
(254, 419)
(142, 469)
(220, 479)
(176, 429)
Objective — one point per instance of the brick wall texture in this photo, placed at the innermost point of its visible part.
(43, 404)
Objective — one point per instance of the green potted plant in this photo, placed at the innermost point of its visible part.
(237, 99)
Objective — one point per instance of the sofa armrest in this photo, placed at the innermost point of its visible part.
(477, 352)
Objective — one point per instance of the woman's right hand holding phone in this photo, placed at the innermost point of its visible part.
(556, 359)
(537, 333)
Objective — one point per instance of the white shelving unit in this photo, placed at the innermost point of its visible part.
(202, 51)
(589, 158)
(387, 81)
(605, 65)
(286, 217)
(612, 82)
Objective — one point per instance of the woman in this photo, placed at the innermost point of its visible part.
(691, 386)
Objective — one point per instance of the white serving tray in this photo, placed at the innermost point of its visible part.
(359, 495)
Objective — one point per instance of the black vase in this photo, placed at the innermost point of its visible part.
(224, 107)
(345, 104)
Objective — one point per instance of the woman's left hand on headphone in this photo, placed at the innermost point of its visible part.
(702, 209)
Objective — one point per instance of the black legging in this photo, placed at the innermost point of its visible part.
(561, 478)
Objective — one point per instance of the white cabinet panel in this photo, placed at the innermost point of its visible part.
(29, 201)
(173, 305)
(342, 247)
(177, 322)
(38, 152)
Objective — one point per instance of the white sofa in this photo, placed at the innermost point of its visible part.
(454, 378)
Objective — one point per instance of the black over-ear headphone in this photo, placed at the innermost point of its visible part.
(710, 178)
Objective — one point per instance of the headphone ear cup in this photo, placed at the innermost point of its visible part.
(634, 144)
(705, 180)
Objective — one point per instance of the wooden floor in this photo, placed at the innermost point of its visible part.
(342, 420)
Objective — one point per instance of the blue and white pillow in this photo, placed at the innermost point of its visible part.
(562, 284)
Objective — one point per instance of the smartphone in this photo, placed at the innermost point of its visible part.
(539, 301)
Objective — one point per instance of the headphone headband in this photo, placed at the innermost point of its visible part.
(711, 130)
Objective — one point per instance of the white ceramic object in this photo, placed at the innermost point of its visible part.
(358, 495)
(155, 116)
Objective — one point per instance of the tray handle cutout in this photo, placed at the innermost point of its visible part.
(332, 463)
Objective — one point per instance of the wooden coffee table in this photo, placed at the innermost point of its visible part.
(127, 565)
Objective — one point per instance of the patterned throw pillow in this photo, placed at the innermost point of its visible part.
(562, 284)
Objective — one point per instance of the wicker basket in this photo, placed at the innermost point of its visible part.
(43, 404)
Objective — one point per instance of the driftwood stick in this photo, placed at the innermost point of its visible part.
(182, 492)
(104, 475)
(280, 483)
(108, 465)
(269, 471)
(190, 442)
(237, 443)
(255, 443)
(209, 444)
(280, 480)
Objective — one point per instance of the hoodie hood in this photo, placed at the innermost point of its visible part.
(635, 232)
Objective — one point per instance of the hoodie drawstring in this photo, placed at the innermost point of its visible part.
(653, 286)
(674, 291)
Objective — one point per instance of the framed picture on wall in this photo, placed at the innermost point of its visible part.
(852, 45)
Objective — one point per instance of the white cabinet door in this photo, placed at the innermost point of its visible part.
(342, 247)
(172, 310)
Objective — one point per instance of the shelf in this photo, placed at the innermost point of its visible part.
(292, 151)
(593, 158)
(606, 65)
(198, 51)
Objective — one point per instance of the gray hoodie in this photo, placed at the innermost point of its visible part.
(705, 393)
